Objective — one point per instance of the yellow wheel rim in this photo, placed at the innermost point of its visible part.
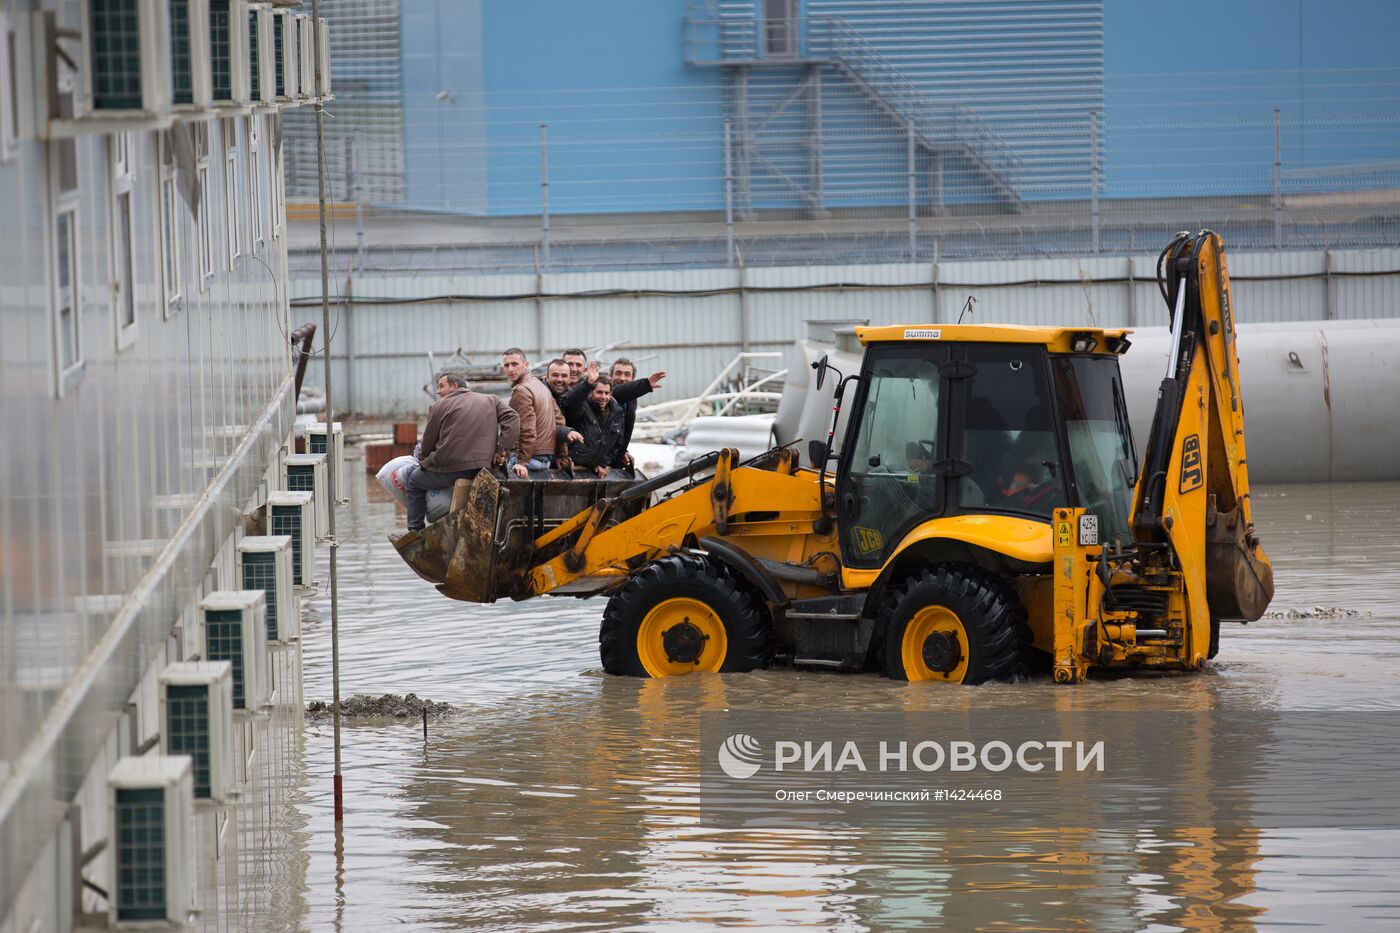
(681, 636)
(937, 632)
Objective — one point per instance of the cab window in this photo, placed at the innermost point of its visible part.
(1009, 434)
(889, 484)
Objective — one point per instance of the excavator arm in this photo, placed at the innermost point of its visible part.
(1193, 491)
(1195, 560)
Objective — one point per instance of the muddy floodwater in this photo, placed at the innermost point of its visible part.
(559, 798)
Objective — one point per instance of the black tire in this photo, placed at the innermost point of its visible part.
(748, 629)
(991, 619)
(1214, 648)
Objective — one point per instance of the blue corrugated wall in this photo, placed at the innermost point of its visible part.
(634, 128)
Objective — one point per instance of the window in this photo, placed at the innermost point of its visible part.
(169, 226)
(66, 324)
(1100, 442)
(780, 28)
(206, 227)
(891, 481)
(9, 91)
(255, 169)
(123, 235)
(232, 207)
(275, 183)
(1009, 433)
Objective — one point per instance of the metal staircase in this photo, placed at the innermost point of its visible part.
(729, 34)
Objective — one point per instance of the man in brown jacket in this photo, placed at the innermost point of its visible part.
(465, 432)
(540, 417)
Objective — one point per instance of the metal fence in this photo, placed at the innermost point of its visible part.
(395, 330)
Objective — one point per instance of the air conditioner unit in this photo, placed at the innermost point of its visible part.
(262, 81)
(228, 52)
(324, 49)
(152, 840)
(284, 46)
(235, 630)
(197, 720)
(306, 56)
(103, 67)
(294, 514)
(316, 443)
(307, 473)
(265, 563)
(190, 88)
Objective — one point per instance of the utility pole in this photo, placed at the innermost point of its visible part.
(330, 409)
(1278, 180)
(544, 191)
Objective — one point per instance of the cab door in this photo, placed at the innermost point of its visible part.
(892, 472)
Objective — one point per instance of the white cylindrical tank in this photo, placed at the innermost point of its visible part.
(1321, 398)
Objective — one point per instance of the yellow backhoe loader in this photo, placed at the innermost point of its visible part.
(986, 512)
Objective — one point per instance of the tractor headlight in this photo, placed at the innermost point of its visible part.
(1083, 343)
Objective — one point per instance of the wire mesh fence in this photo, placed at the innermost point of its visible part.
(830, 158)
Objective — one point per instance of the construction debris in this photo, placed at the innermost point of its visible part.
(388, 706)
(1316, 612)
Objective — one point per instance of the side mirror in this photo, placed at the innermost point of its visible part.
(820, 366)
(818, 453)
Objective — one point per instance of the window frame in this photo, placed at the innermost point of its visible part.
(936, 355)
(232, 231)
(9, 89)
(63, 203)
(168, 199)
(206, 226)
(256, 209)
(121, 257)
(275, 184)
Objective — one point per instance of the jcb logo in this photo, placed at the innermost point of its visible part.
(1191, 475)
(868, 540)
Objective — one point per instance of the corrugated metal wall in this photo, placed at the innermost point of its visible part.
(691, 322)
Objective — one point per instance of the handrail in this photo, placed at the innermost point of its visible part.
(743, 39)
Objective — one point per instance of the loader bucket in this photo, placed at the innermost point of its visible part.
(1239, 578)
(483, 548)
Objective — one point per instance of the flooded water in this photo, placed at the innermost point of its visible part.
(563, 799)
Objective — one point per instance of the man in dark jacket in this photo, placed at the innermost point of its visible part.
(465, 432)
(627, 389)
(593, 413)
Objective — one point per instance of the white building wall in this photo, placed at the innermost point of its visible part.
(120, 483)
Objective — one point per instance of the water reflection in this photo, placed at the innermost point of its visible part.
(565, 799)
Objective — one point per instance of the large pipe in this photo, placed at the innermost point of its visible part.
(1320, 397)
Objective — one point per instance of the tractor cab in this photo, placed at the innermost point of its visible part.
(973, 420)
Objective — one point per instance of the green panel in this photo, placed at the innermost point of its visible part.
(301, 477)
(116, 54)
(316, 443)
(260, 573)
(279, 82)
(187, 729)
(286, 520)
(223, 641)
(219, 51)
(140, 855)
(254, 79)
(181, 69)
